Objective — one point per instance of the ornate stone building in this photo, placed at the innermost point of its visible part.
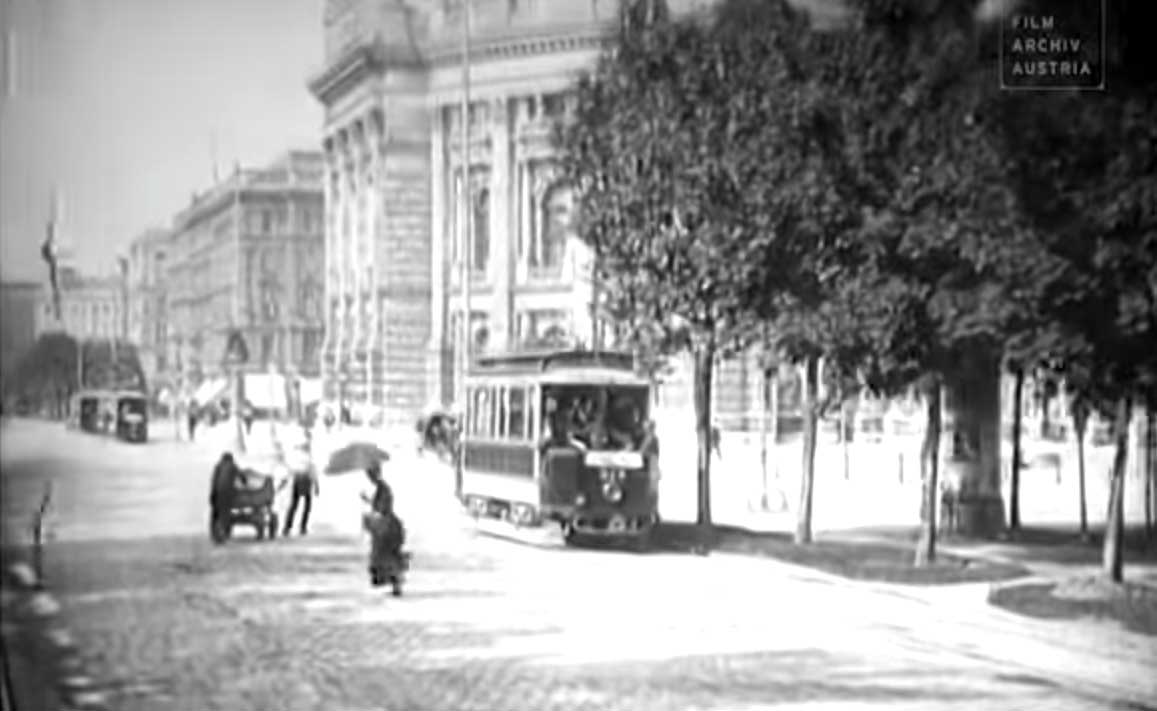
(392, 90)
(148, 300)
(91, 307)
(247, 254)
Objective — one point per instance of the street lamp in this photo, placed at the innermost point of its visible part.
(464, 204)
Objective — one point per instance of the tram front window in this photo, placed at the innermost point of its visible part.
(596, 417)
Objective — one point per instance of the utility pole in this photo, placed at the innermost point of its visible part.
(464, 205)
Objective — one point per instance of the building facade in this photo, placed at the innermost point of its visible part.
(91, 307)
(247, 255)
(392, 88)
(148, 300)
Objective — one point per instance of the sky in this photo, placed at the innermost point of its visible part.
(121, 105)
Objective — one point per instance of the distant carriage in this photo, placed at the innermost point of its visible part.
(123, 414)
(599, 478)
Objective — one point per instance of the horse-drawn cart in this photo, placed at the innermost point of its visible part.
(250, 504)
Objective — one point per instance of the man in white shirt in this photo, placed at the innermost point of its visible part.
(304, 485)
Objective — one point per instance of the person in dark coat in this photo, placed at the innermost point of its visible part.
(225, 475)
(387, 534)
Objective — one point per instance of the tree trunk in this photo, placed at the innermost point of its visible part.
(1150, 455)
(930, 462)
(764, 425)
(971, 390)
(1014, 478)
(845, 436)
(1045, 421)
(775, 422)
(704, 369)
(235, 412)
(1080, 426)
(811, 412)
(1112, 558)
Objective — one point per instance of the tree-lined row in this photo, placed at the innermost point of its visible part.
(865, 194)
(47, 376)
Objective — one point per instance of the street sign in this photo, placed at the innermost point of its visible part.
(236, 352)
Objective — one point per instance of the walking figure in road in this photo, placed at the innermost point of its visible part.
(247, 418)
(304, 480)
(387, 534)
(193, 422)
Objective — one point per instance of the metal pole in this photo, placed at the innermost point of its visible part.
(464, 205)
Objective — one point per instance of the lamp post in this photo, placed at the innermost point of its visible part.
(464, 205)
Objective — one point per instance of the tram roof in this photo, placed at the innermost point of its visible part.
(570, 364)
(100, 393)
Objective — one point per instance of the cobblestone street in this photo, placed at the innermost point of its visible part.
(169, 621)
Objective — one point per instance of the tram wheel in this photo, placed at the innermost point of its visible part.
(569, 535)
(642, 542)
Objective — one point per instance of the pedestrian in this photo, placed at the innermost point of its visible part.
(192, 422)
(247, 417)
(717, 441)
(387, 534)
(225, 476)
(305, 486)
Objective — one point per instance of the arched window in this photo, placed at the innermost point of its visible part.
(481, 229)
(554, 226)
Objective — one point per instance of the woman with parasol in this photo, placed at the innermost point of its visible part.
(387, 534)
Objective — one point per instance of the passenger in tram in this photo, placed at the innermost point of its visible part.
(559, 427)
(624, 424)
(589, 417)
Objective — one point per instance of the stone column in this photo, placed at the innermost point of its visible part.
(502, 234)
(439, 231)
(376, 343)
(341, 247)
(354, 254)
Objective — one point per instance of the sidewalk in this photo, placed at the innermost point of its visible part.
(1050, 561)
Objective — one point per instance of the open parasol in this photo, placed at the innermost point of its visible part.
(355, 456)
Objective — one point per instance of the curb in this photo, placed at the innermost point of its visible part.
(38, 636)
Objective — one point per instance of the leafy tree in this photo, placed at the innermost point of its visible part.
(1084, 166)
(939, 268)
(671, 152)
(46, 374)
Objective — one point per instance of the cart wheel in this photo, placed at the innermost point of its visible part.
(218, 532)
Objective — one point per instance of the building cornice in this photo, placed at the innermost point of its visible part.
(549, 41)
(358, 62)
(373, 58)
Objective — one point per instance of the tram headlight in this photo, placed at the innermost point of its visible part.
(613, 492)
(580, 500)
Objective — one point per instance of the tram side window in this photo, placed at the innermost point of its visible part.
(501, 426)
(481, 416)
(516, 424)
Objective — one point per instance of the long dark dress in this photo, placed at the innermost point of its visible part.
(387, 534)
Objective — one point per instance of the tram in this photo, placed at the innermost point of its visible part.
(565, 438)
(120, 413)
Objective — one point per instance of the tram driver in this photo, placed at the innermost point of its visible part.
(558, 425)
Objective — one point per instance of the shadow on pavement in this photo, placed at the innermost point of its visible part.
(883, 560)
(1134, 606)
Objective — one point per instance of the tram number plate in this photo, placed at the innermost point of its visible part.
(601, 459)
